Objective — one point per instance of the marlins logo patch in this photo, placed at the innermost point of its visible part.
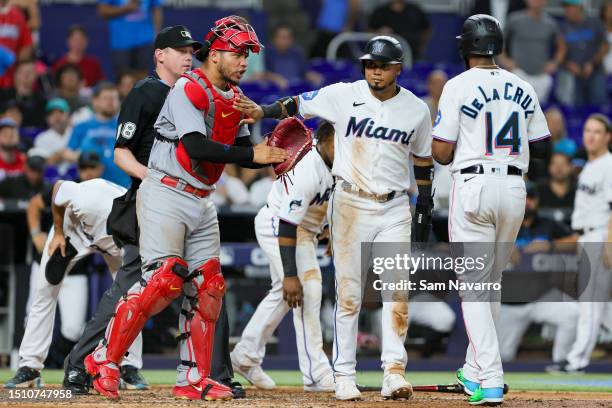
(294, 205)
(377, 47)
(308, 96)
(438, 118)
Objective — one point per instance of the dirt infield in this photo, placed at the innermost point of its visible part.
(294, 397)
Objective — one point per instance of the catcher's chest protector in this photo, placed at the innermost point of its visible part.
(217, 111)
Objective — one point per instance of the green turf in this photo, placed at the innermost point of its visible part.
(516, 381)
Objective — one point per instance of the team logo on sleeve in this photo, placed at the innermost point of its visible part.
(294, 205)
(438, 118)
(308, 96)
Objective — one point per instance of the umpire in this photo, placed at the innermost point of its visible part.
(174, 48)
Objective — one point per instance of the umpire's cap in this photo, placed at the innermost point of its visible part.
(385, 49)
(481, 35)
(175, 37)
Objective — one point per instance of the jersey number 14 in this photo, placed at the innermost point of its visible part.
(508, 136)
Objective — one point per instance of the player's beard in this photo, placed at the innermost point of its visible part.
(226, 75)
(380, 87)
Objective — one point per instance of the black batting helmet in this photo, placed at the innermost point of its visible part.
(481, 35)
(385, 49)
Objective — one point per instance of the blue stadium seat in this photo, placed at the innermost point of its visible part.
(51, 174)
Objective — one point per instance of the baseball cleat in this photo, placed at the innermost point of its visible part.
(207, 389)
(106, 377)
(131, 379)
(469, 387)
(396, 387)
(25, 377)
(563, 368)
(254, 374)
(346, 390)
(238, 390)
(76, 380)
(325, 384)
(487, 396)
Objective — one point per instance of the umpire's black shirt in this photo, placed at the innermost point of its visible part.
(138, 114)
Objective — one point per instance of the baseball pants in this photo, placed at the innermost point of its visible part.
(354, 220)
(486, 211)
(593, 300)
(41, 316)
(251, 349)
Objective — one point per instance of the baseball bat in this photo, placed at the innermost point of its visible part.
(452, 388)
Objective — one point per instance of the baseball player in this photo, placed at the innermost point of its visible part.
(198, 132)
(79, 217)
(487, 123)
(173, 55)
(377, 125)
(591, 220)
(286, 229)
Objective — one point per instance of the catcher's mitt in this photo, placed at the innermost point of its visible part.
(292, 135)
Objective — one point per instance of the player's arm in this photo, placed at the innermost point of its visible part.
(57, 211)
(280, 109)
(287, 239)
(442, 151)
(129, 132)
(124, 158)
(34, 211)
(446, 126)
(198, 147)
(423, 173)
(107, 11)
(246, 142)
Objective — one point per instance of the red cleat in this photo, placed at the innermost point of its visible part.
(206, 389)
(105, 377)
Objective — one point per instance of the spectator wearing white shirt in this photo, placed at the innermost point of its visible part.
(230, 191)
(258, 193)
(55, 139)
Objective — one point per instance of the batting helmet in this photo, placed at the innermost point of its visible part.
(385, 49)
(232, 33)
(481, 35)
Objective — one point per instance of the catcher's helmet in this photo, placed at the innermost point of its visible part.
(481, 35)
(385, 49)
(232, 33)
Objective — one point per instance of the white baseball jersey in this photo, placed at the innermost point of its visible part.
(374, 138)
(594, 194)
(305, 204)
(492, 115)
(87, 205)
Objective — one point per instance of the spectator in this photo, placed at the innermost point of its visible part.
(125, 83)
(68, 85)
(28, 184)
(285, 61)
(98, 134)
(335, 16)
(558, 132)
(10, 109)
(55, 139)
(30, 100)
(582, 81)
(230, 191)
(15, 42)
(528, 38)
(405, 19)
(31, 12)
(89, 65)
(538, 234)
(500, 9)
(12, 161)
(435, 83)
(258, 192)
(559, 190)
(606, 18)
(132, 25)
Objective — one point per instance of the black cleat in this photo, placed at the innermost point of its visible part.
(76, 380)
(131, 379)
(237, 390)
(25, 377)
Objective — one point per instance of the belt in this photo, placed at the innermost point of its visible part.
(181, 185)
(582, 231)
(480, 169)
(381, 198)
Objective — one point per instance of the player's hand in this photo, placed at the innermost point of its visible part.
(264, 154)
(292, 291)
(39, 241)
(573, 68)
(58, 241)
(253, 111)
(587, 70)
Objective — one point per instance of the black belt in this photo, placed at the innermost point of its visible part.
(582, 231)
(479, 169)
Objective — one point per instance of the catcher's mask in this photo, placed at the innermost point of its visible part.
(232, 33)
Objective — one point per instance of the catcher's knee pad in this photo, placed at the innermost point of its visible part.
(134, 309)
(200, 331)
